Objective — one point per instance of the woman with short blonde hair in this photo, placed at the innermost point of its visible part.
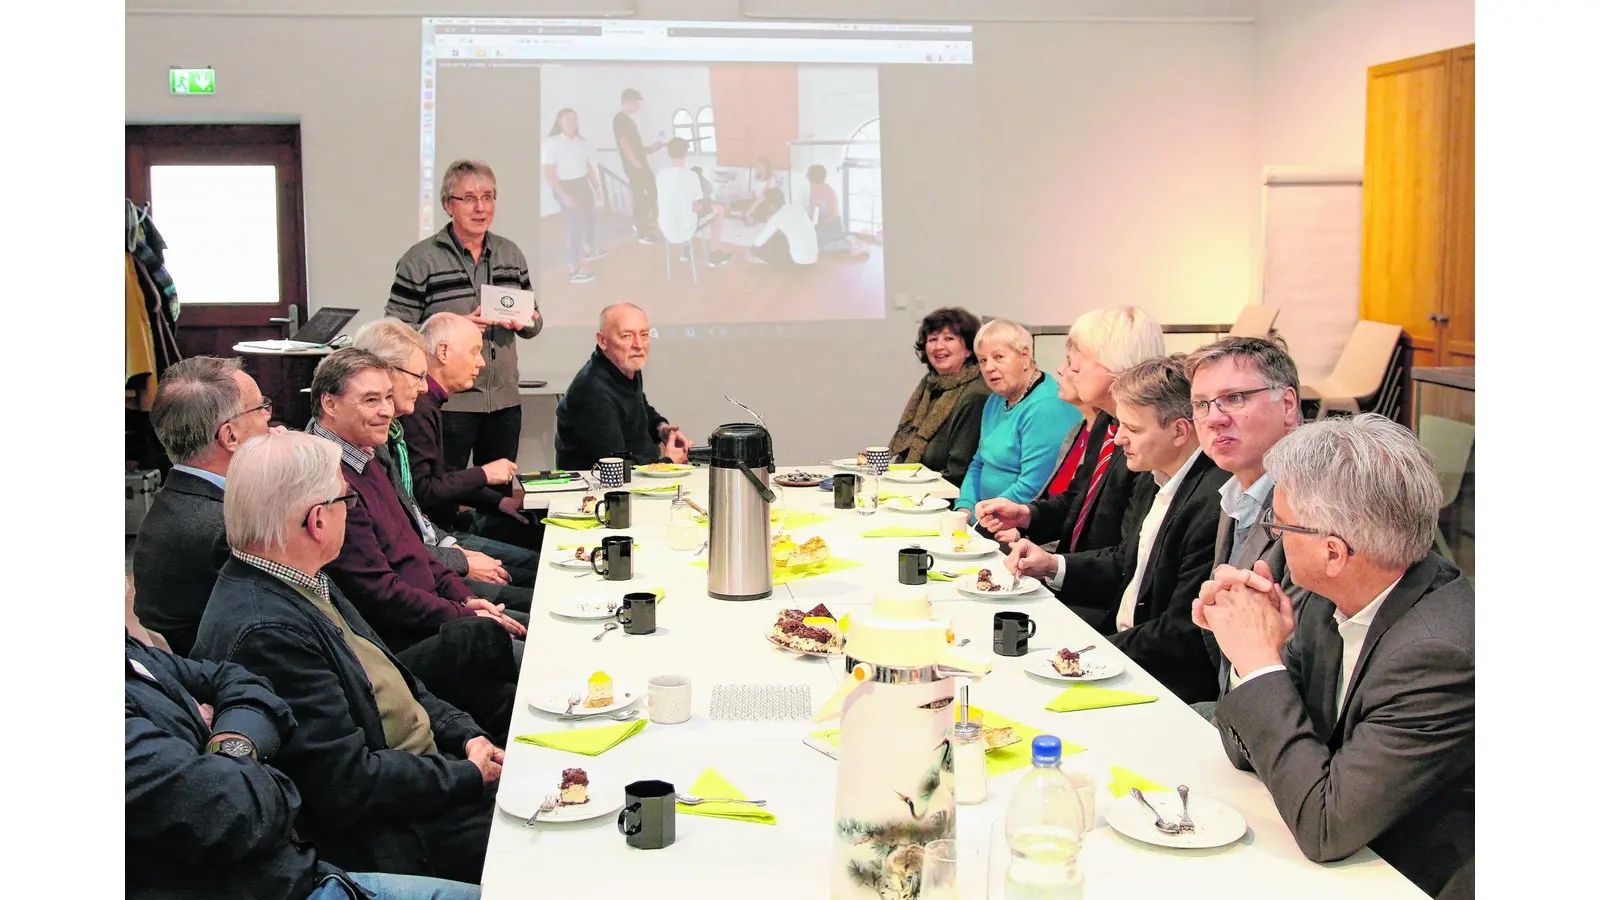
(1024, 419)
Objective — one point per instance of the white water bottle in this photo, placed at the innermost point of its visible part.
(1045, 826)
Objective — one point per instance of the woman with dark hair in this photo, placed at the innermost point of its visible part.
(763, 179)
(569, 170)
(940, 425)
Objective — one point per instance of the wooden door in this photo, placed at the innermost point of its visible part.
(1403, 198)
(1457, 308)
(215, 316)
(757, 110)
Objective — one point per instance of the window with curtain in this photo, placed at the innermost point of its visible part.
(706, 129)
(683, 126)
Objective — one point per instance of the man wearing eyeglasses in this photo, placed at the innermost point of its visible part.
(446, 273)
(1355, 705)
(204, 411)
(1245, 393)
(392, 777)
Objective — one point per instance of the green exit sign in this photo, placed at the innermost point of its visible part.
(193, 81)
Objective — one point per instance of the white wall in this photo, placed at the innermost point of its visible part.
(1099, 163)
(833, 102)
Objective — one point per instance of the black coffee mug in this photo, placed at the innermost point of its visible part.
(614, 510)
(1011, 632)
(914, 565)
(649, 817)
(638, 613)
(616, 553)
(844, 491)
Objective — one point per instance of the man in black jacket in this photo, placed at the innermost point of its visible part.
(206, 815)
(205, 409)
(604, 412)
(394, 779)
(1147, 581)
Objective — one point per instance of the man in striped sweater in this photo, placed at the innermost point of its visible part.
(445, 273)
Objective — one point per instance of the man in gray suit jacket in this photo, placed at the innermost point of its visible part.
(205, 409)
(1356, 708)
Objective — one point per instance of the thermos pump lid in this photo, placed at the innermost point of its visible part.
(741, 442)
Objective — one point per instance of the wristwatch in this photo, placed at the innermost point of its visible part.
(236, 747)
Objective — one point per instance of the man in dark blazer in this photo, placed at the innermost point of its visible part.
(1141, 589)
(1245, 395)
(1356, 708)
(205, 409)
(1088, 514)
(207, 814)
(393, 779)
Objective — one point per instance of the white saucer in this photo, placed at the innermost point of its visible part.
(568, 561)
(928, 505)
(592, 606)
(571, 509)
(554, 700)
(521, 794)
(967, 584)
(1216, 823)
(677, 471)
(1096, 667)
(912, 476)
(976, 547)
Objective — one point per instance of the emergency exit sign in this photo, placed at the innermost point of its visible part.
(193, 81)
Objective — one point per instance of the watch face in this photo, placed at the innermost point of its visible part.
(234, 747)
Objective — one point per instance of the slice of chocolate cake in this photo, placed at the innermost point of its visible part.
(574, 787)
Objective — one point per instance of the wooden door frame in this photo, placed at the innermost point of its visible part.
(277, 145)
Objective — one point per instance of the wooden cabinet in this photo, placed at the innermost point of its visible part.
(1417, 217)
(757, 109)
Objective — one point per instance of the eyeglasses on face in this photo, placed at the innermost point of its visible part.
(265, 404)
(421, 378)
(474, 199)
(351, 497)
(1275, 529)
(1226, 403)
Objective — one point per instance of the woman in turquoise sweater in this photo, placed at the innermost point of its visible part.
(1024, 421)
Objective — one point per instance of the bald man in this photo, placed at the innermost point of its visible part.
(604, 412)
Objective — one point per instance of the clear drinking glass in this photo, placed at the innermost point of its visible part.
(867, 494)
(939, 868)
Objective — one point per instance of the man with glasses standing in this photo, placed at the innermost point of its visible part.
(446, 273)
(1354, 704)
(205, 409)
(1245, 393)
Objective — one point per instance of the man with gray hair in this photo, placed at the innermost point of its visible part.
(1138, 592)
(604, 411)
(446, 273)
(392, 778)
(204, 411)
(1355, 706)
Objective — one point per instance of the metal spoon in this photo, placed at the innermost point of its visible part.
(621, 716)
(1162, 825)
(691, 800)
(610, 626)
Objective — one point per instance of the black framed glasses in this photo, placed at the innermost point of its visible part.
(473, 199)
(1275, 529)
(421, 378)
(351, 497)
(1228, 402)
(265, 404)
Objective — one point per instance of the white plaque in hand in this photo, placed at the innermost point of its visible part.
(504, 304)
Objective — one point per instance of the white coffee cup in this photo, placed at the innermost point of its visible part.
(1085, 786)
(668, 699)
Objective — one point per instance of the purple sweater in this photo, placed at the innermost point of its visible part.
(384, 569)
(439, 491)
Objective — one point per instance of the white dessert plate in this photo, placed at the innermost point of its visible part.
(1216, 824)
(1096, 666)
(848, 464)
(567, 559)
(976, 547)
(554, 700)
(570, 509)
(663, 470)
(968, 584)
(593, 606)
(911, 476)
(798, 652)
(520, 794)
(928, 505)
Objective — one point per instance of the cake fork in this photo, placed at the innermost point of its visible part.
(572, 701)
(1185, 824)
(544, 807)
(1162, 825)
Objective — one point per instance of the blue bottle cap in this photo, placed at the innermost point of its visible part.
(1046, 750)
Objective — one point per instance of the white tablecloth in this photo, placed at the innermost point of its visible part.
(716, 642)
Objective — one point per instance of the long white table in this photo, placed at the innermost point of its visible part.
(717, 642)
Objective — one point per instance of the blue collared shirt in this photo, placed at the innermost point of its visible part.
(218, 480)
(1244, 507)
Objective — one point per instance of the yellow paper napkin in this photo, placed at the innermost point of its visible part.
(791, 521)
(1087, 696)
(591, 741)
(1122, 780)
(939, 576)
(664, 489)
(900, 531)
(712, 784)
(578, 524)
(1001, 759)
(904, 467)
(784, 574)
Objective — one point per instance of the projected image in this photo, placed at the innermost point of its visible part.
(710, 192)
